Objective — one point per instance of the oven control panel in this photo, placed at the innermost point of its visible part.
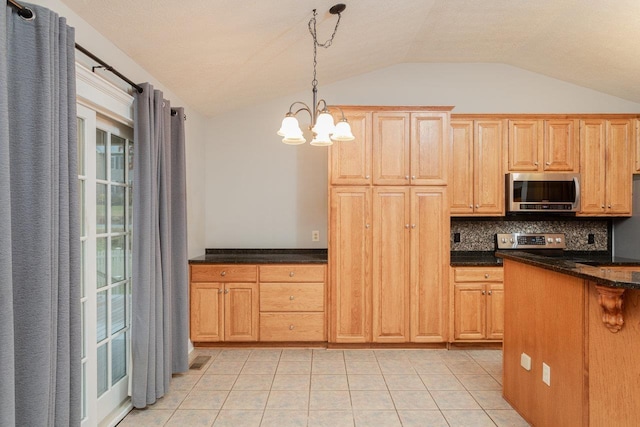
(530, 241)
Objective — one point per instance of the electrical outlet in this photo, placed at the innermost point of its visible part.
(591, 239)
(456, 237)
(315, 236)
(525, 361)
(546, 374)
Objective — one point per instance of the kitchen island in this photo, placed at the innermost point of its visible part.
(571, 342)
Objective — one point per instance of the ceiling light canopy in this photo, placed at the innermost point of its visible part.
(325, 131)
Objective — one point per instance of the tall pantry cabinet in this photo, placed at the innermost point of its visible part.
(389, 226)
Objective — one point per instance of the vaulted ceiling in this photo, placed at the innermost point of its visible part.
(220, 55)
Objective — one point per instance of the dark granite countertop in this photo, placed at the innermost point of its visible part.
(601, 273)
(474, 259)
(262, 256)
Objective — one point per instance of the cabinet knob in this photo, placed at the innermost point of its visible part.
(291, 327)
(602, 206)
(226, 291)
(535, 163)
(483, 292)
(291, 274)
(413, 177)
(367, 177)
(609, 206)
(223, 273)
(367, 226)
(477, 206)
(548, 163)
(413, 226)
(470, 206)
(406, 177)
(220, 291)
(291, 297)
(406, 226)
(490, 293)
(486, 276)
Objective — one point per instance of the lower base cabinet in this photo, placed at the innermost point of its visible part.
(478, 303)
(248, 303)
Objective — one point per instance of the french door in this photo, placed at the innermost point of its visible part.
(105, 168)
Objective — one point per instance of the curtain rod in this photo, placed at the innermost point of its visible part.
(27, 13)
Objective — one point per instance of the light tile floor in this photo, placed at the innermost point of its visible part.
(334, 388)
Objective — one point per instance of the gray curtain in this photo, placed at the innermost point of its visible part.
(40, 335)
(160, 325)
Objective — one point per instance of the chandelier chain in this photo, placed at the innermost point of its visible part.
(326, 44)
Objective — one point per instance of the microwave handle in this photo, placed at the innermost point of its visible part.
(576, 182)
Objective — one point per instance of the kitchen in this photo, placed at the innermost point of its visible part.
(279, 203)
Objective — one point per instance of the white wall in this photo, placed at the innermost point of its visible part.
(261, 193)
(196, 124)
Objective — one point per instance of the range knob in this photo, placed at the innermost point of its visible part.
(549, 240)
(511, 240)
(558, 240)
(504, 240)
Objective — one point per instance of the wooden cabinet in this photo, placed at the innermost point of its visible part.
(606, 154)
(350, 264)
(476, 180)
(224, 303)
(410, 148)
(350, 162)
(292, 302)
(543, 145)
(391, 228)
(409, 262)
(478, 303)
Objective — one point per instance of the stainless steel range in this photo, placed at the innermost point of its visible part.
(532, 242)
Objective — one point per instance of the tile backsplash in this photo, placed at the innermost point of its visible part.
(480, 235)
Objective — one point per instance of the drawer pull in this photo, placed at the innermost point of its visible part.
(486, 276)
(483, 292)
(223, 273)
(490, 293)
(291, 297)
(291, 274)
(291, 327)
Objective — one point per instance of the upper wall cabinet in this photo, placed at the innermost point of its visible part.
(606, 155)
(410, 148)
(637, 147)
(476, 181)
(350, 162)
(543, 145)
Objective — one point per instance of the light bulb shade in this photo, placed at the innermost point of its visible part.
(321, 140)
(289, 126)
(294, 139)
(324, 125)
(343, 132)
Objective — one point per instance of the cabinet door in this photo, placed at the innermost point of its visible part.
(618, 166)
(207, 312)
(391, 217)
(561, 146)
(489, 182)
(350, 260)
(469, 311)
(524, 145)
(495, 312)
(241, 312)
(391, 151)
(461, 167)
(429, 150)
(429, 264)
(350, 162)
(592, 165)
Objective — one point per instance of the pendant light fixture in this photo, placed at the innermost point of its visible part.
(322, 125)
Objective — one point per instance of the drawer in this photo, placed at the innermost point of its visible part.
(292, 297)
(478, 274)
(223, 273)
(292, 273)
(292, 327)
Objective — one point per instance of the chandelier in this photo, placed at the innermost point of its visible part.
(322, 126)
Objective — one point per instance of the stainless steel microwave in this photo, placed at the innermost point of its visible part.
(543, 192)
